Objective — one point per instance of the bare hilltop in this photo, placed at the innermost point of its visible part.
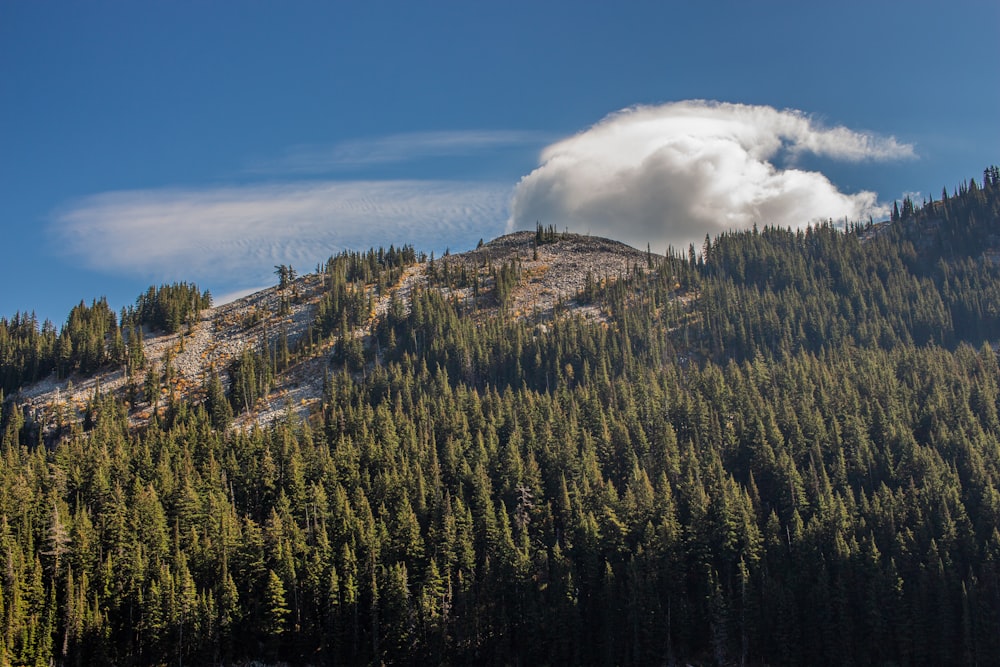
(550, 274)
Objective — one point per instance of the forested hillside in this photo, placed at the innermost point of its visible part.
(781, 449)
(92, 336)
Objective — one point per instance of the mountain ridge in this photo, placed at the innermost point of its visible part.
(537, 276)
(554, 271)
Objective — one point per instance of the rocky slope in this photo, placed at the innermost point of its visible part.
(551, 276)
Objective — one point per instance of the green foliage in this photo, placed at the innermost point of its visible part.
(251, 376)
(89, 340)
(785, 451)
(346, 302)
(92, 337)
(27, 352)
(169, 307)
(275, 607)
(85, 342)
(216, 404)
(547, 234)
(286, 275)
(505, 278)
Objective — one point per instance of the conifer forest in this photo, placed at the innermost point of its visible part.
(780, 448)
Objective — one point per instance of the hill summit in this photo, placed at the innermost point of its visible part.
(535, 276)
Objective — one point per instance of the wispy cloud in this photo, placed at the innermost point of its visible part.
(670, 174)
(395, 148)
(666, 174)
(229, 238)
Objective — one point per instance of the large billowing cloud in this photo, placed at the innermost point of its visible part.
(229, 238)
(671, 174)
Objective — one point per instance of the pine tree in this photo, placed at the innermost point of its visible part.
(216, 403)
(276, 609)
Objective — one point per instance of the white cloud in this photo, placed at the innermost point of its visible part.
(395, 148)
(670, 174)
(229, 239)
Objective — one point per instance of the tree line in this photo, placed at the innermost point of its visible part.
(782, 449)
(93, 337)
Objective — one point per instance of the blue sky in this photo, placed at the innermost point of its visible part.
(143, 142)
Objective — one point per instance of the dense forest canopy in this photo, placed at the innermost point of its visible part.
(782, 449)
(93, 336)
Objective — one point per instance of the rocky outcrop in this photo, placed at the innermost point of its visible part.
(552, 275)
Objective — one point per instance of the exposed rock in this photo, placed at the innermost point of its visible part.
(551, 277)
